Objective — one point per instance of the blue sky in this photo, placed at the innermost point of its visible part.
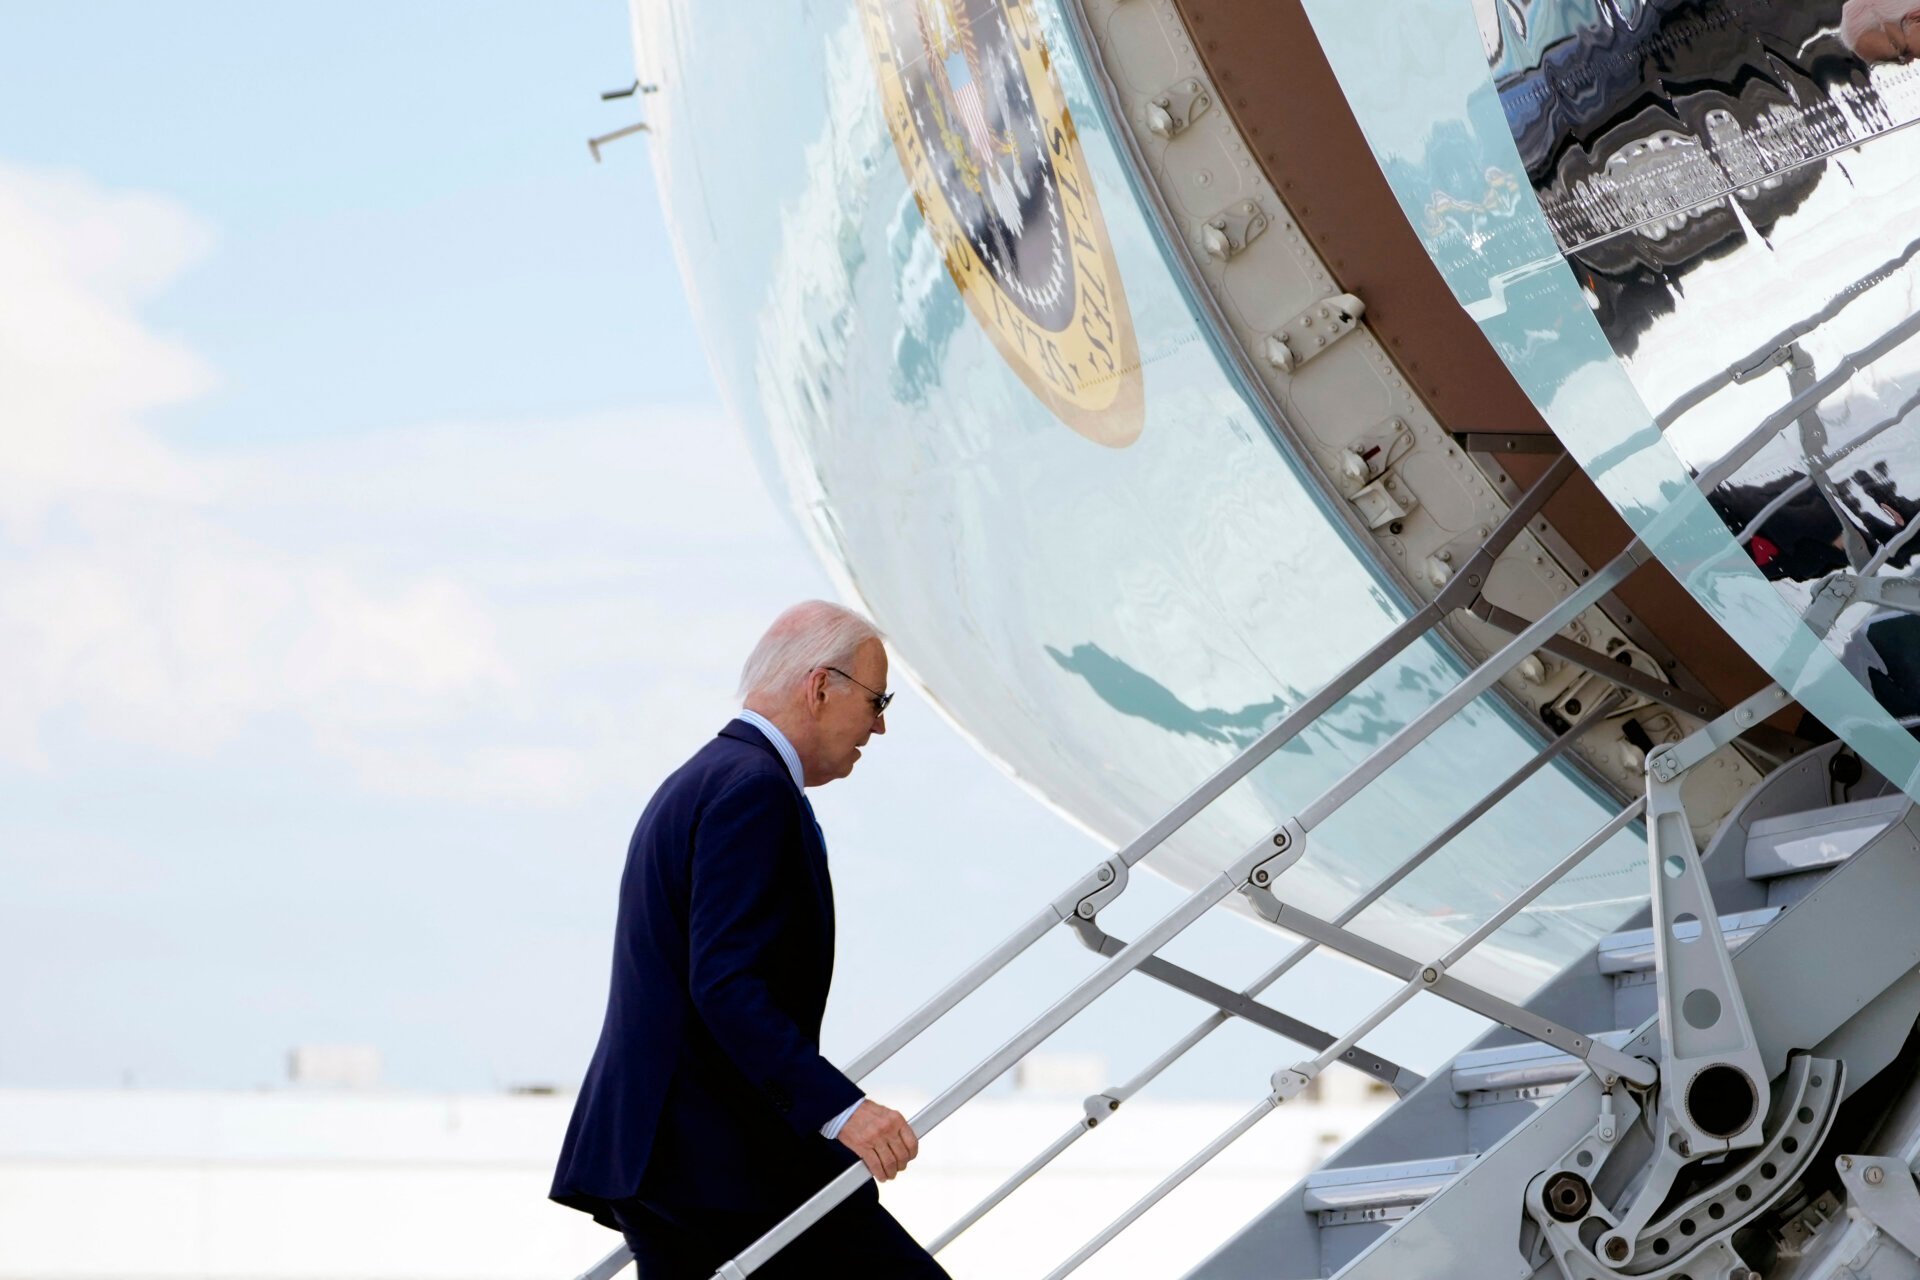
(406, 223)
(373, 541)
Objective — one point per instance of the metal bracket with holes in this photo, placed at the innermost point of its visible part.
(1713, 1081)
(1110, 879)
(1314, 330)
(1231, 230)
(1695, 1237)
(1171, 110)
(1882, 1191)
(1289, 845)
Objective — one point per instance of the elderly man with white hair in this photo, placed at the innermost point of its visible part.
(708, 1113)
(1882, 30)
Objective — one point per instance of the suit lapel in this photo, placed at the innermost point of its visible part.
(811, 837)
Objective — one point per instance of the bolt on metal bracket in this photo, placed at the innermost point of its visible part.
(1171, 110)
(1881, 1190)
(1099, 1106)
(1111, 879)
(1230, 231)
(1289, 1083)
(1289, 844)
(1713, 1080)
(1384, 501)
(1313, 331)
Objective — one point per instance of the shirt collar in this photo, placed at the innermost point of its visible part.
(788, 755)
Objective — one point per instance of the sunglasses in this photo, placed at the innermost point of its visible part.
(880, 701)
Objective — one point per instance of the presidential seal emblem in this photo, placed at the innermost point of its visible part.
(989, 147)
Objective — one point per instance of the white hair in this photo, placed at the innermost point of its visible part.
(1858, 17)
(810, 635)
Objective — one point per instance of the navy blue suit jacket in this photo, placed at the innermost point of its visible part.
(708, 1089)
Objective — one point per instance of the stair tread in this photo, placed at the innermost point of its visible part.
(1817, 838)
(1631, 950)
(1523, 1065)
(1378, 1185)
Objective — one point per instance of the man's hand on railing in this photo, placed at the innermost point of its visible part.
(881, 1137)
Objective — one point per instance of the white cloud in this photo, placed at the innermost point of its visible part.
(77, 367)
(503, 612)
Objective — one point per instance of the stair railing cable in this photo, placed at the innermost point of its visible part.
(1101, 1107)
(1289, 1082)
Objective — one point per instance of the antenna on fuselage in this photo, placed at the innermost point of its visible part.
(594, 144)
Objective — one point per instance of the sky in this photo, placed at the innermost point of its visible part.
(373, 541)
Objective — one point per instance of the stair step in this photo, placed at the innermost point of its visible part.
(1819, 838)
(1527, 1065)
(1378, 1192)
(1631, 951)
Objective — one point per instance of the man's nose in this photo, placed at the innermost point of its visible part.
(880, 723)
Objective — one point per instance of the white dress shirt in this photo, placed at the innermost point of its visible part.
(791, 758)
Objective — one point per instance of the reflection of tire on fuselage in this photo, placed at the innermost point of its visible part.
(1632, 272)
(1592, 120)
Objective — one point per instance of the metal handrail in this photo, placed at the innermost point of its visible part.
(1765, 356)
(1459, 593)
(1288, 1083)
(1113, 1098)
(1780, 419)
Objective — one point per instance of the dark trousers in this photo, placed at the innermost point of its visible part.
(858, 1238)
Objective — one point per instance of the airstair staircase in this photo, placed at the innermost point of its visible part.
(1791, 872)
(1699, 1099)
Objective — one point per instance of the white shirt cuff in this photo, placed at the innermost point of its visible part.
(831, 1129)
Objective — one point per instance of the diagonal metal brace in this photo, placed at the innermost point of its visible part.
(1399, 1078)
(1761, 737)
(1607, 1062)
(1596, 663)
(1668, 763)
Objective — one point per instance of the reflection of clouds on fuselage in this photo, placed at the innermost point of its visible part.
(1729, 183)
(810, 311)
(931, 309)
